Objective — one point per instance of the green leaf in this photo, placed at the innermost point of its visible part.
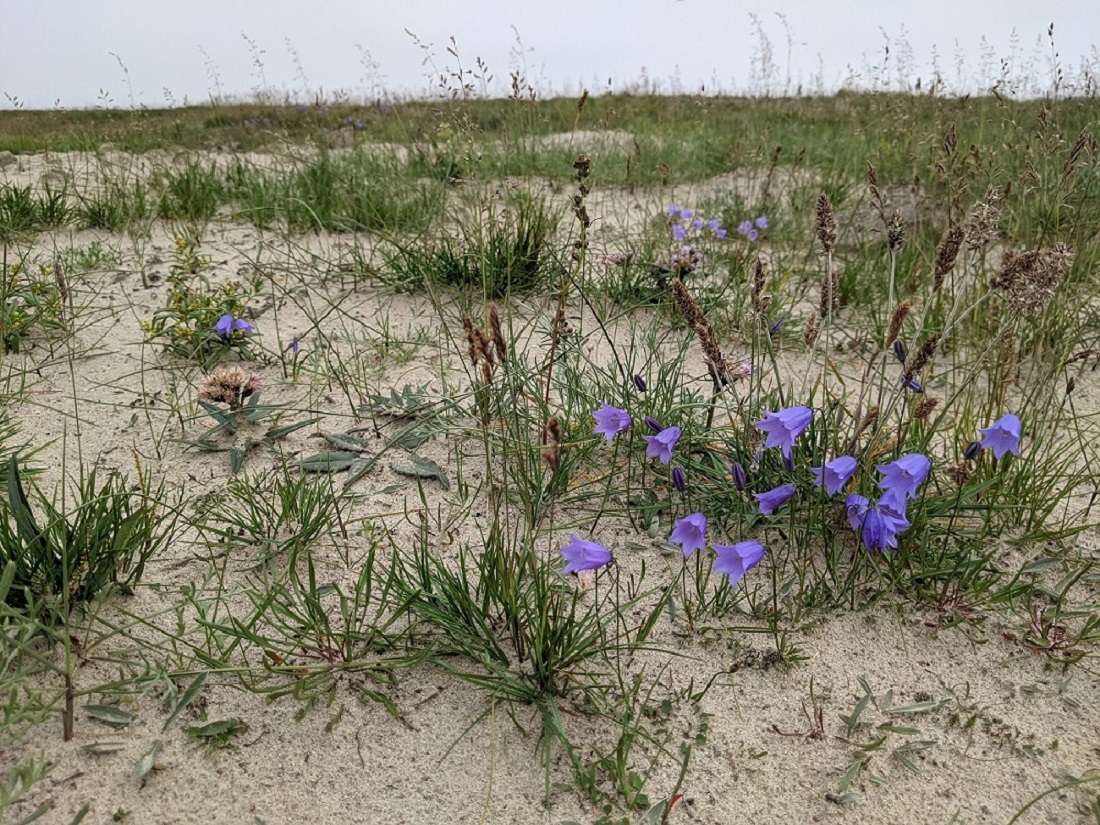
(344, 441)
(276, 433)
(223, 418)
(20, 506)
(111, 714)
(412, 437)
(146, 763)
(919, 707)
(328, 462)
(222, 727)
(236, 459)
(420, 467)
(1039, 565)
(101, 748)
(358, 469)
(187, 698)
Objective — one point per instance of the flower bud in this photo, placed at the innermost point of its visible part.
(639, 382)
(972, 450)
(678, 480)
(738, 473)
(899, 350)
(653, 424)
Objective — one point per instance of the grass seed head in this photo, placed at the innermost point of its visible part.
(825, 223)
(948, 252)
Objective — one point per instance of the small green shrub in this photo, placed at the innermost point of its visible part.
(187, 325)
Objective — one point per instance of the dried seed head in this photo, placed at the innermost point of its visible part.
(876, 193)
(582, 166)
(948, 252)
(468, 333)
(693, 315)
(551, 436)
(230, 385)
(1085, 145)
(496, 333)
(925, 407)
(981, 226)
(950, 141)
(825, 223)
(895, 232)
(1030, 279)
(760, 301)
(59, 279)
(897, 321)
(830, 293)
(809, 335)
(922, 357)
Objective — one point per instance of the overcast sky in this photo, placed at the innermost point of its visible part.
(76, 53)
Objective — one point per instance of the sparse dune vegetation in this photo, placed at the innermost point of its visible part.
(612, 459)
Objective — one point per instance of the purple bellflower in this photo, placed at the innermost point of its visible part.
(679, 481)
(774, 499)
(735, 560)
(584, 555)
(662, 444)
(879, 523)
(690, 533)
(610, 421)
(1002, 436)
(784, 427)
(901, 479)
(227, 324)
(835, 474)
(762, 222)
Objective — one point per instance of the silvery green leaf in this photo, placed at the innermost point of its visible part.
(343, 441)
(328, 462)
(111, 714)
(146, 763)
(420, 467)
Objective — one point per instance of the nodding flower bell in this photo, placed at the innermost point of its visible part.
(899, 350)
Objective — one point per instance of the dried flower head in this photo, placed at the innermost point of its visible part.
(760, 301)
(230, 385)
(925, 407)
(922, 357)
(551, 453)
(830, 293)
(59, 280)
(1030, 279)
(895, 232)
(809, 335)
(496, 333)
(825, 223)
(693, 314)
(948, 252)
(473, 346)
(897, 321)
(981, 226)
